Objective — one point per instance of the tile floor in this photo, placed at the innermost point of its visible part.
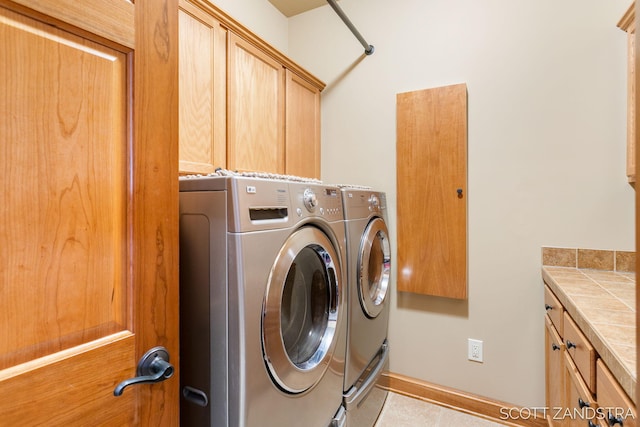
(402, 411)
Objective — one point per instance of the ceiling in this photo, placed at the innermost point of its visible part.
(294, 7)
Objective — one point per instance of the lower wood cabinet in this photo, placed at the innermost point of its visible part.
(580, 389)
(580, 404)
(614, 402)
(554, 374)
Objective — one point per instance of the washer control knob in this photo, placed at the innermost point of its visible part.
(310, 199)
(374, 202)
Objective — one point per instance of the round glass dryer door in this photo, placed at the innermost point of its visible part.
(374, 266)
(300, 310)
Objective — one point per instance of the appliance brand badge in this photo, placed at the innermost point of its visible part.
(251, 189)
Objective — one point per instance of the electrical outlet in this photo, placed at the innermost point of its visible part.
(475, 350)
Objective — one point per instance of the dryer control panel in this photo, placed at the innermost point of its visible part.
(360, 204)
(314, 200)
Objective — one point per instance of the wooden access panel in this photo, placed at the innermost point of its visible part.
(432, 191)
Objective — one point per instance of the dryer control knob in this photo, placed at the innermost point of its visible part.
(310, 199)
(374, 202)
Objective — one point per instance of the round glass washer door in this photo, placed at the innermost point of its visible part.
(300, 310)
(374, 266)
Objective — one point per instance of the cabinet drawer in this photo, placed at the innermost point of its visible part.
(554, 372)
(581, 404)
(554, 309)
(613, 400)
(581, 351)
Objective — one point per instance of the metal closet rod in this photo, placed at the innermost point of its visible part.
(368, 49)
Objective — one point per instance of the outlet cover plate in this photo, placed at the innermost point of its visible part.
(475, 350)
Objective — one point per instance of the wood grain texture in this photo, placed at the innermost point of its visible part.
(455, 399)
(154, 202)
(431, 166)
(576, 389)
(583, 354)
(302, 127)
(246, 34)
(88, 230)
(112, 20)
(611, 396)
(636, 54)
(554, 368)
(70, 380)
(256, 109)
(202, 79)
(555, 312)
(64, 189)
(628, 23)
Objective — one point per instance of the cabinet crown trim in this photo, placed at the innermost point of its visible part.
(236, 27)
(627, 22)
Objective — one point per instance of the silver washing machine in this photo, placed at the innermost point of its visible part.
(368, 273)
(262, 303)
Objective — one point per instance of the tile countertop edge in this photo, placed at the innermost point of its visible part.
(617, 367)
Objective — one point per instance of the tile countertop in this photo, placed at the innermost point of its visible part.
(601, 301)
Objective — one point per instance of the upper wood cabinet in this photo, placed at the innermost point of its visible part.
(303, 127)
(243, 105)
(627, 23)
(256, 109)
(202, 90)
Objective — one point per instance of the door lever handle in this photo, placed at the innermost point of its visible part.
(153, 367)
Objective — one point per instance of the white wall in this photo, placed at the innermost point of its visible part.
(547, 106)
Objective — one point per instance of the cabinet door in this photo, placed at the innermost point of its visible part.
(302, 127)
(202, 86)
(554, 373)
(628, 24)
(255, 108)
(580, 405)
(615, 405)
(88, 216)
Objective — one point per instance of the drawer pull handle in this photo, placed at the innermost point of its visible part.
(570, 345)
(548, 307)
(613, 420)
(582, 403)
(555, 347)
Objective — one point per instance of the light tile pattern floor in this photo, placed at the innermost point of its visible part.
(402, 411)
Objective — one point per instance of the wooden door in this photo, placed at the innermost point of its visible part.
(431, 157)
(88, 210)
(255, 108)
(302, 139)
(203, 95)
